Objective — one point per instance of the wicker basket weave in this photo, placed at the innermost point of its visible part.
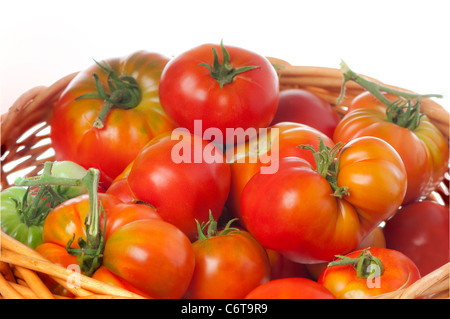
(26, 145)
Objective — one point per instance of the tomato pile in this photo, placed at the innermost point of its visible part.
(195, 177)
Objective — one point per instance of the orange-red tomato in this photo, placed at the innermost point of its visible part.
(397, 271)
(126, 130)
(145, 254)
(309, 217)
(228, 266)
(281, 140)
(182, 190)
(290, 288)
(423, 149)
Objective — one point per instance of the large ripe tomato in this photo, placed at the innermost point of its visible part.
(301, 106)
(223, 86)
(420, 230)
(262, 154)
(136, 115)
(382, 270)
(311, 214)
(422, 147)
(290, 288)
(142, 253)
(182, 175)
(228, 264)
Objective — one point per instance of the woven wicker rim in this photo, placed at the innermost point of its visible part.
(21, 264)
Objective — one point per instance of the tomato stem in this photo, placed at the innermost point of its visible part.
(124, 94)
(212, 228)
(327, 163)
(90, 252)
(224, 73)
(403, 112)
(366, 265)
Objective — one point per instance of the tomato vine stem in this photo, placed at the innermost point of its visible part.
(404, 112)
(91, 250)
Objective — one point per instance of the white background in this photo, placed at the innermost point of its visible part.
(405, 43)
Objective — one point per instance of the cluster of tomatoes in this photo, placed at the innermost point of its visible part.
(186, 211)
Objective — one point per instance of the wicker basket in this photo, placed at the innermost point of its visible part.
(26, 145)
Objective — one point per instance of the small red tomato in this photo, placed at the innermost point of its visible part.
(228, 264)
(368, 273)
(420, 230)
(301, 106)
(290, 288)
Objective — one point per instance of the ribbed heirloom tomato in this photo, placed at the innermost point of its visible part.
(262, 154)
(311, 214)
(142, 253)
(396, 118)
(235, 88)
(108, 112)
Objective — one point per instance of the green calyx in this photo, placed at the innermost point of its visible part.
(91, 250)
(212, 228)
(404, 112)
(327, 165)
(124, 94)
(224, 73)
(366, 265)
(33, 208)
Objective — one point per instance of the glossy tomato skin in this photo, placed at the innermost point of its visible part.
(301, 218)
(134, 234)
(420, 230)
(302, 106)
(424, 150)
(188, 92)
(398, 272)
(152, 255)
(282, 140)
(180, 190)
(228, 266)
(290, 288)
(282, 267)
(114, 146)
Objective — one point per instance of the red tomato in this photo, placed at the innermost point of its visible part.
(420, 230)
(228, 264)
(301, 106)
(290, 288)
(134, 119)
(263, 153)
(145, 254)
(391, 270)
(183, 176)
(232, 88)
(311, 214)
(423, 148)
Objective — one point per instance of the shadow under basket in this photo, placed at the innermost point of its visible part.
(26, 146)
